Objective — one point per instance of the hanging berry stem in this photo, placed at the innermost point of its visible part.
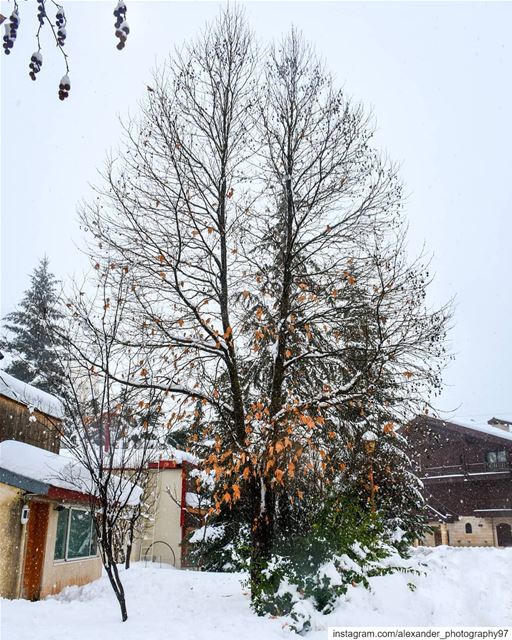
(59, 32)
(11, 30)
(121, 26)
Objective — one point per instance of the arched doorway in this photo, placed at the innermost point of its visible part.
(504, 534)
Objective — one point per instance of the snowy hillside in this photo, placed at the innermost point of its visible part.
(469, 587)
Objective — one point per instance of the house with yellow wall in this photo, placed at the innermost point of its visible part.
(47, 537)
(47, 534)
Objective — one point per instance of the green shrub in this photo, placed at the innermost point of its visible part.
(345, 546)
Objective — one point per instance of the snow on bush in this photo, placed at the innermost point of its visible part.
(452, 587)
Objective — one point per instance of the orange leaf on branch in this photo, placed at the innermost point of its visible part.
(307, 420)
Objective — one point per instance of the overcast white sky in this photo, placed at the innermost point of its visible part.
(436, 75)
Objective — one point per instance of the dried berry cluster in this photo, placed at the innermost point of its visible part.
(41, 12)
(122, 28)
(36, 62)
(11, 31)
(64, 87)
(61, 26)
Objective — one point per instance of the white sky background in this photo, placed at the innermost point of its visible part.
(437, 76)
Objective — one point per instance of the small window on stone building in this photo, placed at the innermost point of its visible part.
(469, 528)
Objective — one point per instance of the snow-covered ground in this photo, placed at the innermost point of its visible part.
(461, 587)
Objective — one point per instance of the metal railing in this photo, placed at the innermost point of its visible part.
(147, 557)
(467, 468)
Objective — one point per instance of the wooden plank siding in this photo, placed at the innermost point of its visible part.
(37, 528)
(37, 429)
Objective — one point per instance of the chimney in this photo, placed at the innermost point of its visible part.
(505, 424)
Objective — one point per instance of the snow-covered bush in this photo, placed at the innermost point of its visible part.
(220, 547)
(346, 546)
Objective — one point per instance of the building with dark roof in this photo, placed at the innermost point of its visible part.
(466, 469)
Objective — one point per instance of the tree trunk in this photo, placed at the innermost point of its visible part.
(109, 562)
(262, 533)
(128, 554)
(129, 546)
(113, 576)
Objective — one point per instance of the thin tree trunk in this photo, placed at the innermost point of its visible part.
(109, 562)
(128, 554)
(113, 576)
(129, 545)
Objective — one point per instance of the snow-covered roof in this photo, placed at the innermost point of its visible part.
(127, 458)
(178, 456)
(468, 423)
(31, 397)
(53, 469)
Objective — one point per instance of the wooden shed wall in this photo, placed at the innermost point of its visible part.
(15, 424)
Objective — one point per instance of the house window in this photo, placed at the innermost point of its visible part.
(76, 536)
(469, 528)
(496, 459)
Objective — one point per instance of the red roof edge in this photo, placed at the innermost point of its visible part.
(57, 493)
(164, 464)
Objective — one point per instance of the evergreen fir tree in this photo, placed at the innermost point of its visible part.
(29, 340)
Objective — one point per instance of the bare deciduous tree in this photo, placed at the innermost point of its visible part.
(110, 428)
(265, 245)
